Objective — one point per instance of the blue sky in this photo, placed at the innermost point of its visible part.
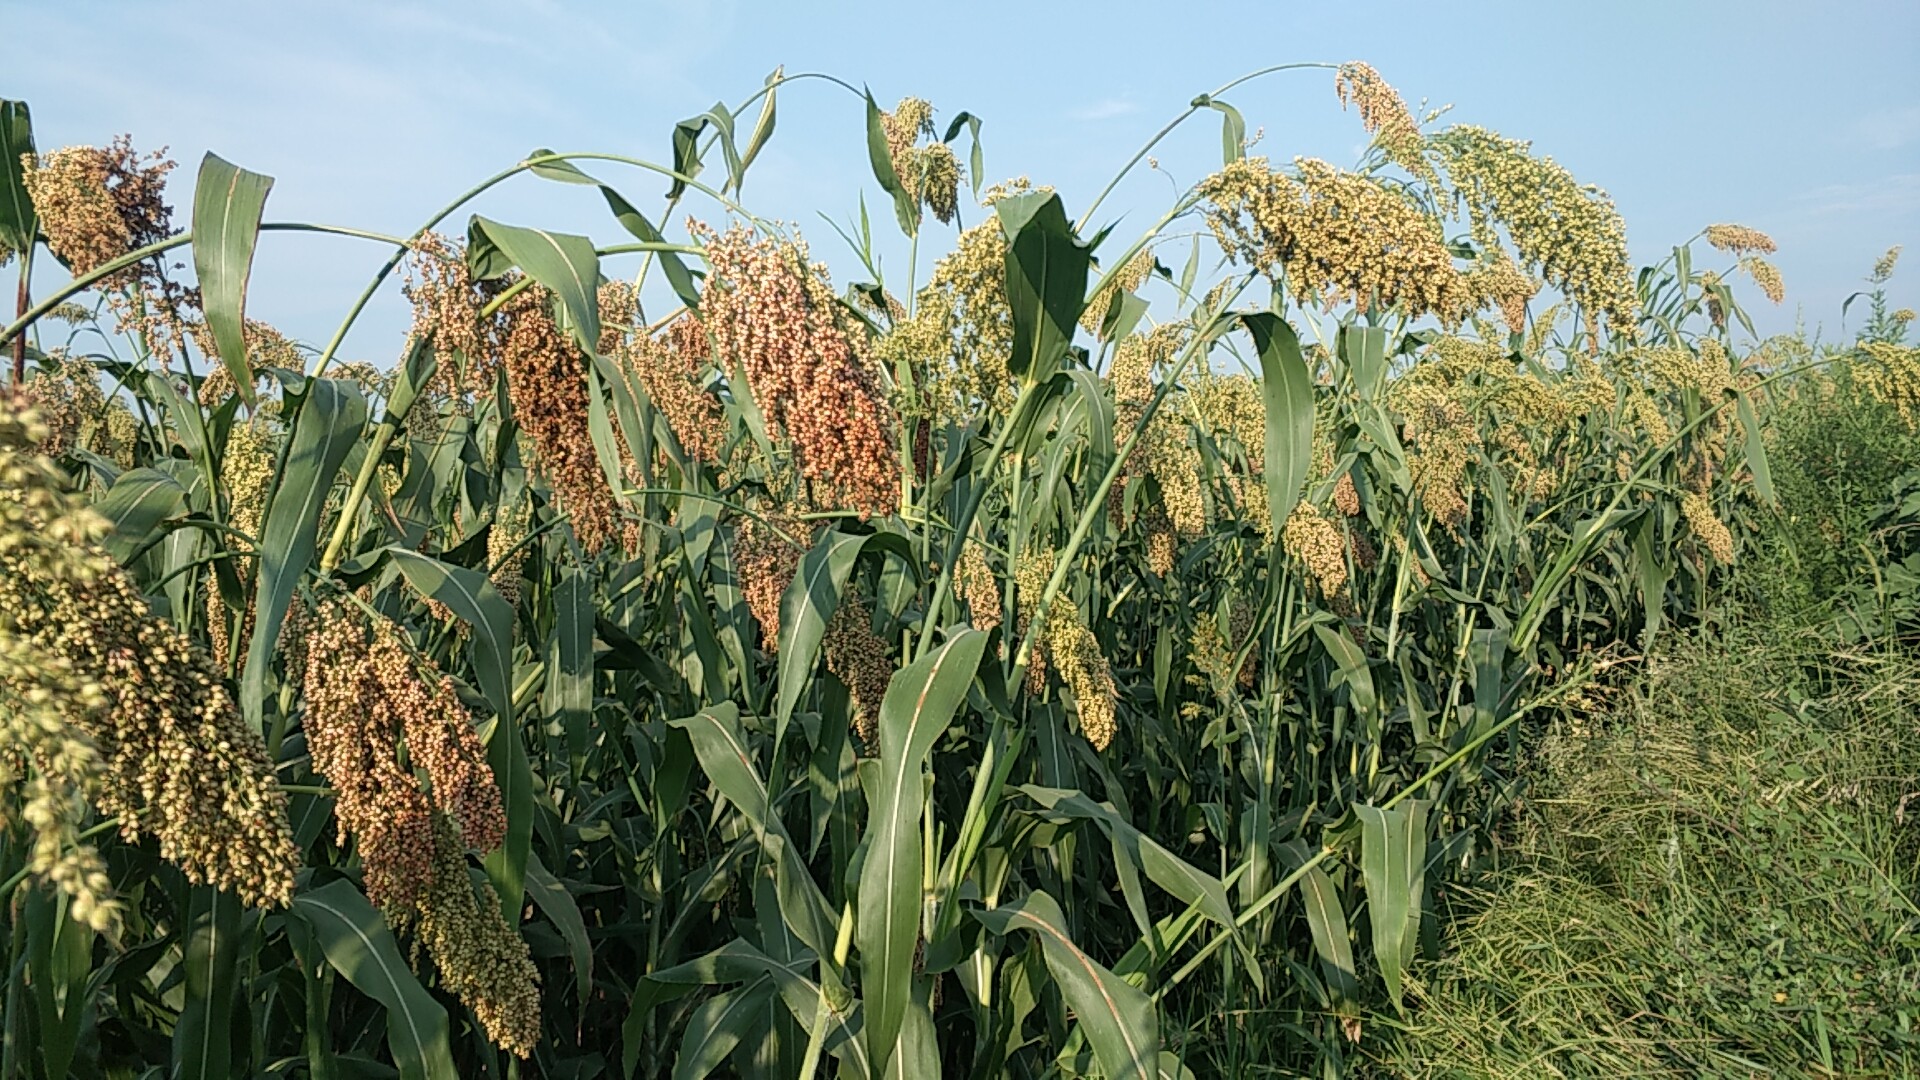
(1798, 119)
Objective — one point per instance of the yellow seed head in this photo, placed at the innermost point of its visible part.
(969, 333)
(1883, 266)
(1315, 541)
(1076, 654)
(1712, 533)
(1740, 240)
(975, 583)
(1338, 236)
(174, 759)
(1030, 582)
(1384, 115)
(505, 553)
(1765, 275)
(1568, 233)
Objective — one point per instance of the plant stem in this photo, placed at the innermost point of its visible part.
(21, 303)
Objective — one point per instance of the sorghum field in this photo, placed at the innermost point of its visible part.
(1427, 643)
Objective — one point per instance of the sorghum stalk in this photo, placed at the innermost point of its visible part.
(21, 303)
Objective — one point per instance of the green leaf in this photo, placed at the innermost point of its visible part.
(686, 146)
(920, 702)
(1046, 268)
(906, 206)
(1233, 132)
(203, 1037)
(630, 219)
(558, 905)
(1327, 921)
(805, 609)
(189, 421)
(1756, 447)
(1288, 392)
(1123, 315)
(1364, 349)
(1098, 406)
(762, 128)
(678, 276)
(975, 163)
(327, 429)
(473, 598)
(718, 1025)
(1487, 652)
(415, 372)
(18, 222)
(136, 506)
(360, 947)
(1652, 574)
(721, 747)
(227, 204)
(738, 961)
(566, 264)
(1118, 1018)
(1352, 667)
(569, 690)
(1178, 877)
(919, 1044)
(1393, 862)
(57, 965)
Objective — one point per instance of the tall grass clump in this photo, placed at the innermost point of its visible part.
(1719, 878)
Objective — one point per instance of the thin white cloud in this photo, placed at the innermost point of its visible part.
(1104, 109)
(1895, 194)
(1889, 129)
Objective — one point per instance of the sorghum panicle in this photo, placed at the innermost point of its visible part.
(1568, 233)
(1712, 533)
(506, 554)
(1029, 582)
(1338, 236)
(366, 700)
(975, 583)
(1083, 667)
(177, 761)
(447, 304)
(96, 204)
(1765, 275)
(670, 368)
(765, 563)
(546, 379)
(775, 314)
(859, 658)
(1315, 540)
(50, 769)
(1739, 240)
(482, 960)
(1384, 114)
